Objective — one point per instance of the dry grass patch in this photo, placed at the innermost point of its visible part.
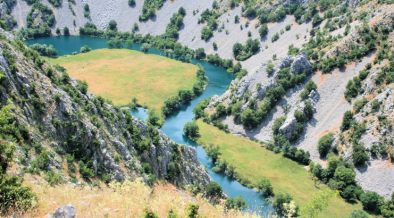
(121, 74)
(129, 199)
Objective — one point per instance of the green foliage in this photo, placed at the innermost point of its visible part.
(359, 214)
(209, 17)
(263, 30)
(347, 121)
(85, 169)
(176, 22)
(243, 52)
(265, 188)
(45, 50)
(279, 203)
(39, 29)
(213, 190)
(371, 201)
(237, 203)
(112, 25)
(14, 197)
(56, 3)
(191, 130)
(359, 155)
(150, 214)
(131, 3)
(154, 119)
(325, 143)
(192, 211)
(309, 86)
(149, 9)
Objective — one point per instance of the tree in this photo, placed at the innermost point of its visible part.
(265, 188)
(279, 203)
(214, 190)
(149, 214)
(131, 3)
(359, 155)
(112, 25)
(66, 31)
(248, 118)
(191, 130)
(192, 211)
(324, 144)
(237, 203)
(347, 121)
(344, 176)
(371, 201)
(153, 118)
(263, 30)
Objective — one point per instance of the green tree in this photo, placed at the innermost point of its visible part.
(265, 188)
(191, 130)
(213, 189)
(359, 214)
(324, 144)
(371, 201)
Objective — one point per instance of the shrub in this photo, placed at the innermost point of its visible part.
(360, 155)
(324, 144)
(347, 121)
(131, 3)
(237, 203)
(263, 30)
(359, 214)
(248, 118)
(149, 214)
(191, 130)
(192, 211)
(45, 50)
(265, 188)
(112, 25)
(371, 201)
(213, 190)
(279, 203)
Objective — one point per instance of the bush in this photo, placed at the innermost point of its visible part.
(213, 190)
(265, 188)
(347, 121)
(263, 30)
(45, 50)
(249, 119)
(359, 214)
(192, 211)
(324, 144)
(237, 203)
(371, 201)
(112, 25)
(243, 52)
(191, 130)
(360, 155)
(131, 3)
(149, 214)
(279, 203)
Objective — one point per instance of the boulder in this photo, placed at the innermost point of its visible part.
(301, 64)
(66, 211)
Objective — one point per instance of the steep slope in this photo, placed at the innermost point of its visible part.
(63, 128)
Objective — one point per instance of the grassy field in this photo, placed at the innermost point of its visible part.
(121, 74)
(253, 162)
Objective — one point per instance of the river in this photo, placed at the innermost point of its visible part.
(218, 81)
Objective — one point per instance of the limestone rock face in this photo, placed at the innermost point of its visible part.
(301, 64)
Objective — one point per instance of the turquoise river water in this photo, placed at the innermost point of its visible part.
(218, 79)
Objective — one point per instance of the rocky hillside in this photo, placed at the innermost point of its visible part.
(319, 72)
(63, 133)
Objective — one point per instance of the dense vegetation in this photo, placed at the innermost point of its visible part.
(209, 17)
(176, 22)
(43, 27)
(45, 50)
(14, 197)
(149, 9)
(243, 52)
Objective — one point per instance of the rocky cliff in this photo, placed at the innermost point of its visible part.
(65, 126)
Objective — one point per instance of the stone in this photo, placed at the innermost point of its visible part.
(301, 65)
(67, 211)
